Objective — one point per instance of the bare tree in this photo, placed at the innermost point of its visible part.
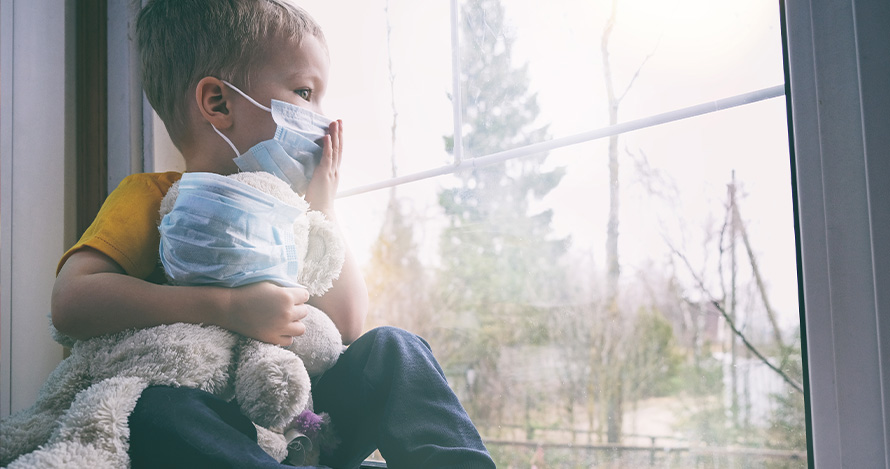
(608, 357)
(397, 283)
(392, 90)
(719, 304)
(729, 303)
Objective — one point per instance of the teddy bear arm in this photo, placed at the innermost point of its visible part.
(321, 345)
(271, 384)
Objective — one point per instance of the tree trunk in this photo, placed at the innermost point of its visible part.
(613, 393)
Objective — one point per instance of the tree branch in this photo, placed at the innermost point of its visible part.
(758, 279)
(630, 84)
(791, 382)
(392, 89)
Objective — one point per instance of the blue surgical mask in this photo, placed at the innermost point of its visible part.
(223, 232)
(292, 154)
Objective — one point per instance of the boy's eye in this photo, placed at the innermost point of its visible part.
(304, 93)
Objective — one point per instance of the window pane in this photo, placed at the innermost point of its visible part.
(521, 322)
(661, 56)
(361, 80)
(622, 302)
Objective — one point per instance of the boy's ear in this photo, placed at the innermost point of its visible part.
(212, 98)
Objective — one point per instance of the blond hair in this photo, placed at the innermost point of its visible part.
(183, 41)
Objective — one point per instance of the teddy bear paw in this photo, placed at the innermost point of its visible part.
(271, 385)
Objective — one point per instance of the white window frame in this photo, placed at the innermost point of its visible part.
(37, 175)
(839, 72)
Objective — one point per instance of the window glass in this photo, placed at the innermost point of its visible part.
(660, 56)
(627, 301)
(367, 65)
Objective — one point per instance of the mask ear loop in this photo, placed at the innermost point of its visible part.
(247, 97)
(253, 101)
(237, 153)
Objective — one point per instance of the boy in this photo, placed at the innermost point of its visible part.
(386, 391)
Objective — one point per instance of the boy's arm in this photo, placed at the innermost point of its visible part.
(347, 301)
(93, 296)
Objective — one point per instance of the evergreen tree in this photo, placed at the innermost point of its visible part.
(499, 260)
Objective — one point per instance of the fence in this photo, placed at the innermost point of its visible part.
(540, 455)
(552, 447)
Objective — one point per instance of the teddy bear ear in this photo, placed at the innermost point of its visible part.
(270, 184)
(169, 199)
(324, 257)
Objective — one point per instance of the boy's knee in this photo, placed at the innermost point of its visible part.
(389, 338)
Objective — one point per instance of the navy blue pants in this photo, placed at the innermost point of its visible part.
(386, 391)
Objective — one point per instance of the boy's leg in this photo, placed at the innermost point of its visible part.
(188, 428)
(387, 391)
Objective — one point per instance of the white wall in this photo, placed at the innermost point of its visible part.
(137, 139)
(37, 171)
(38, 174)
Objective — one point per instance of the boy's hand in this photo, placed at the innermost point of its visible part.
(267, 312)
(323, 187)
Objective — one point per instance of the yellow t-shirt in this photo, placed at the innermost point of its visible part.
(126, 227)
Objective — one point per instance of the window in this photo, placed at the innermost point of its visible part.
(840, 131)
(674, 340)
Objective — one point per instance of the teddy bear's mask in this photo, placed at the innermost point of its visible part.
(226, 233)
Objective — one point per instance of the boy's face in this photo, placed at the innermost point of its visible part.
(291, 72)
(287, 71)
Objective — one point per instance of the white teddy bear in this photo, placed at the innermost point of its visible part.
(80, 416)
